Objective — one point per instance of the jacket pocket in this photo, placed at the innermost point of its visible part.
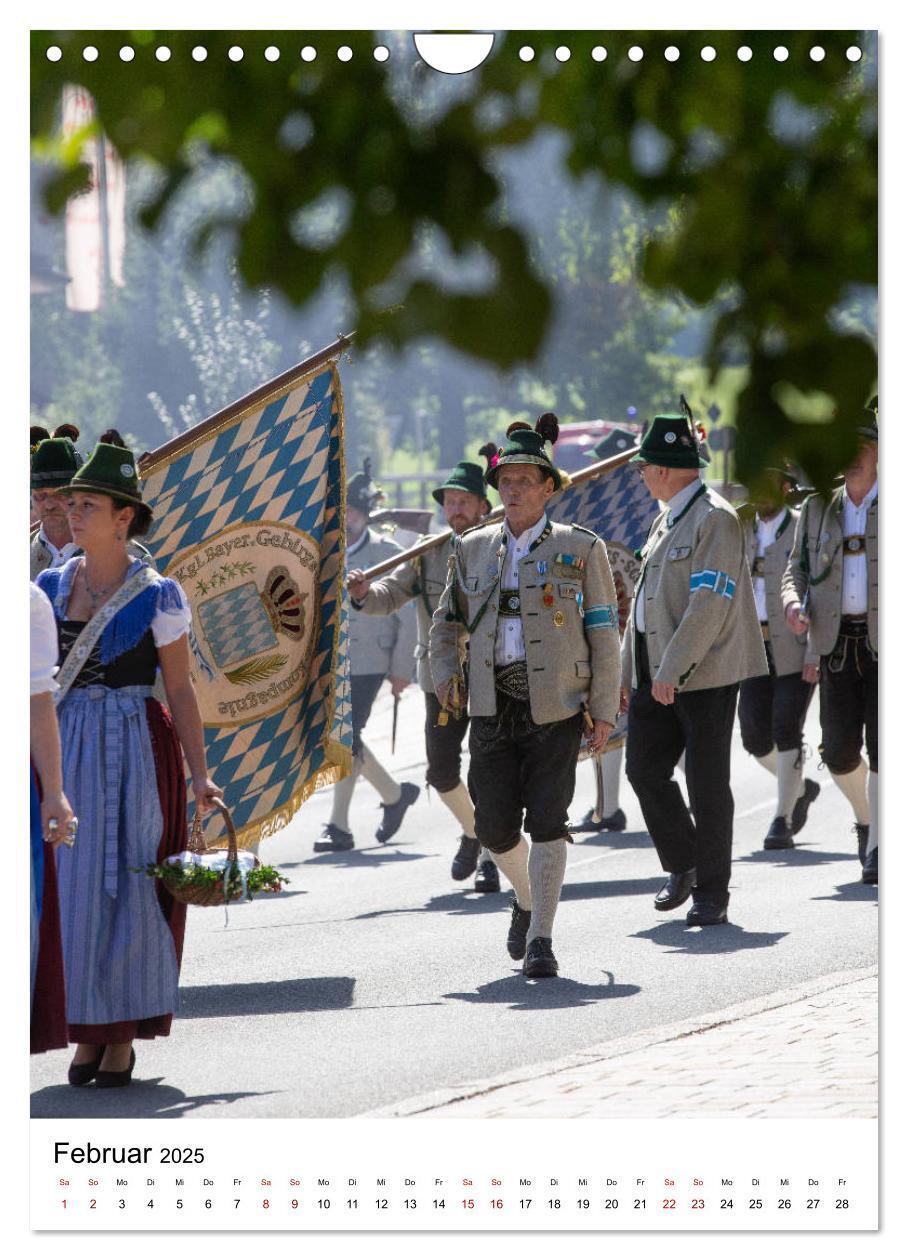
(569, 590)
(679, 553)
(583, 669)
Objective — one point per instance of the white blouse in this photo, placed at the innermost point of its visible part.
(167, 627)
(43, 643)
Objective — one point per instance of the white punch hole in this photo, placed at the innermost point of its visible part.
(308, 53)
(599, 53)
(635, 53)
(453, 54)
(199, 53)
(527, 53)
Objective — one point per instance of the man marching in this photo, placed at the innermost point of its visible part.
(538, 603)
(831, 589)
(693, 635)
(772, 709)
(463, 498)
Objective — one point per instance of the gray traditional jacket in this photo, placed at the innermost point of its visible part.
(815, 571)
(380, 645)
(422, 580)
(40, 556)
(787, 649)
(701, 622)
(570, 631)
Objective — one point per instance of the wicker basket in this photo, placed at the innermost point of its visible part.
(213, 895)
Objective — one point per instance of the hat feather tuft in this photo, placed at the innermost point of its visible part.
(112, 438)
(68, 431)
(516, 426)
(547, 427)
(37, 434)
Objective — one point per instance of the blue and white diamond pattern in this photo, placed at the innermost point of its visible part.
(617, 506)
(236, 625)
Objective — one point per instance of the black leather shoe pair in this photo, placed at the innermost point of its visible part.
(614, 822)
(487, 879)
(465, 858)
(394, 814)
(83, 1073)
(779, 835)
(803, 804)
(116, 1080)
(517, 933)
(871, 867)
(334, 840)
(676, 890)
(707, 912)
(540, 961)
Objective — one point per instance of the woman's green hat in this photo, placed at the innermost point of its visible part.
(672, 442)
(463, 476)
(527, 446)
(110, 469)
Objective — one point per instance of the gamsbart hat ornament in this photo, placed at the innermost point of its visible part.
(526, 445)
(672, 441)
(54, 459)
(362, 492)
(110, 469)
(463, 476)
(869, 425)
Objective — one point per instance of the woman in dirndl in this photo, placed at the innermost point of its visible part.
(118, 622)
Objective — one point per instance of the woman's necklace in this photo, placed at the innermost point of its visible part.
(98, 595)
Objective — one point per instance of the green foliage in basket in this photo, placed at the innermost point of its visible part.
(261, 879)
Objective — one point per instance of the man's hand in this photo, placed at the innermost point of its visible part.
(398, 684)
(357, 584)
(598, 736)
(664, 692)
(810, 673)
(625, 702)
(796, 620)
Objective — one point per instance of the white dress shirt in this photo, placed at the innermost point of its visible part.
(854, 575)
(675, 506)
(60, 555)
(44, 648)
(766, 536)
(509, 644)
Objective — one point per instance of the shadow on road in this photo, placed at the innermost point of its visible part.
(358, 857)
(852, 892)
(727, 938)
(613, 839)
(450, 903)
(557, 993)
(143, 1099)
(266, 997)
(795, 857)
(611, 888)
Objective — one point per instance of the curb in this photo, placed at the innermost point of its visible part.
(633, 1043)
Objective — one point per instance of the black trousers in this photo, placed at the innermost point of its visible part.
(443, 744)
(363, 690)
(699, 724)
(772, 710)
(517, 766)
(848, 701)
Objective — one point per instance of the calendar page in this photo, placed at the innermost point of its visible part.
(454, 626)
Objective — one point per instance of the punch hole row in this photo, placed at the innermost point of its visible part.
(527, 53)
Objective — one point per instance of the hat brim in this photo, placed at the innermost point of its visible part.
(662, 461)
(438, 494)
(93, 487)
(506, 461)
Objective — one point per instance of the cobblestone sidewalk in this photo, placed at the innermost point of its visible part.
(805, 1052)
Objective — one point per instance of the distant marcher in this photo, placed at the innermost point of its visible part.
(118, 621)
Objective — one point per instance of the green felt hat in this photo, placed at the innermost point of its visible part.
(672, 442)
(362, 492)
(527, 446)
(613, 443)
(463, 476)
(868, 427)
(54, 461)
(110, 469)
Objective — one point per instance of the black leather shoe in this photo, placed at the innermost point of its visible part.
(394, 814)
(487, 880)
(707, 913)
(870, 872)
(803, 804)
(676, 890)
(779, 835)
(82, 1073)
(588, 822)
(540, 961)
(862, 831)
(616, 821)
(465, 858)
(334, 841)
(517, 933)
(115, 1080)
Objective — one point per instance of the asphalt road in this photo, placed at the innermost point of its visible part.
(374, 977)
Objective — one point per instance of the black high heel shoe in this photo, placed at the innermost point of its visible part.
(113, 1080)
(83, 1073)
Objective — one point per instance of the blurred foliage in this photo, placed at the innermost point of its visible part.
(769, 167)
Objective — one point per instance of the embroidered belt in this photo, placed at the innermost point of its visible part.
(513, 680)
(509, 603)
(854, 544)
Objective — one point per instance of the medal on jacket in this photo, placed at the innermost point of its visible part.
(558, 619)
(541, 567)
(547, 597)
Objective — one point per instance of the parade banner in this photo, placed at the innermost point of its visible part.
(249, 520)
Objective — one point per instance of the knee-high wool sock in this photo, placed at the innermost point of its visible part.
(342, 796)
(461, 806)
(608, 782)
(513, 865)
(873, 836)
(548, 861)
(790, 781)
(376, 774)
(854, 786)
